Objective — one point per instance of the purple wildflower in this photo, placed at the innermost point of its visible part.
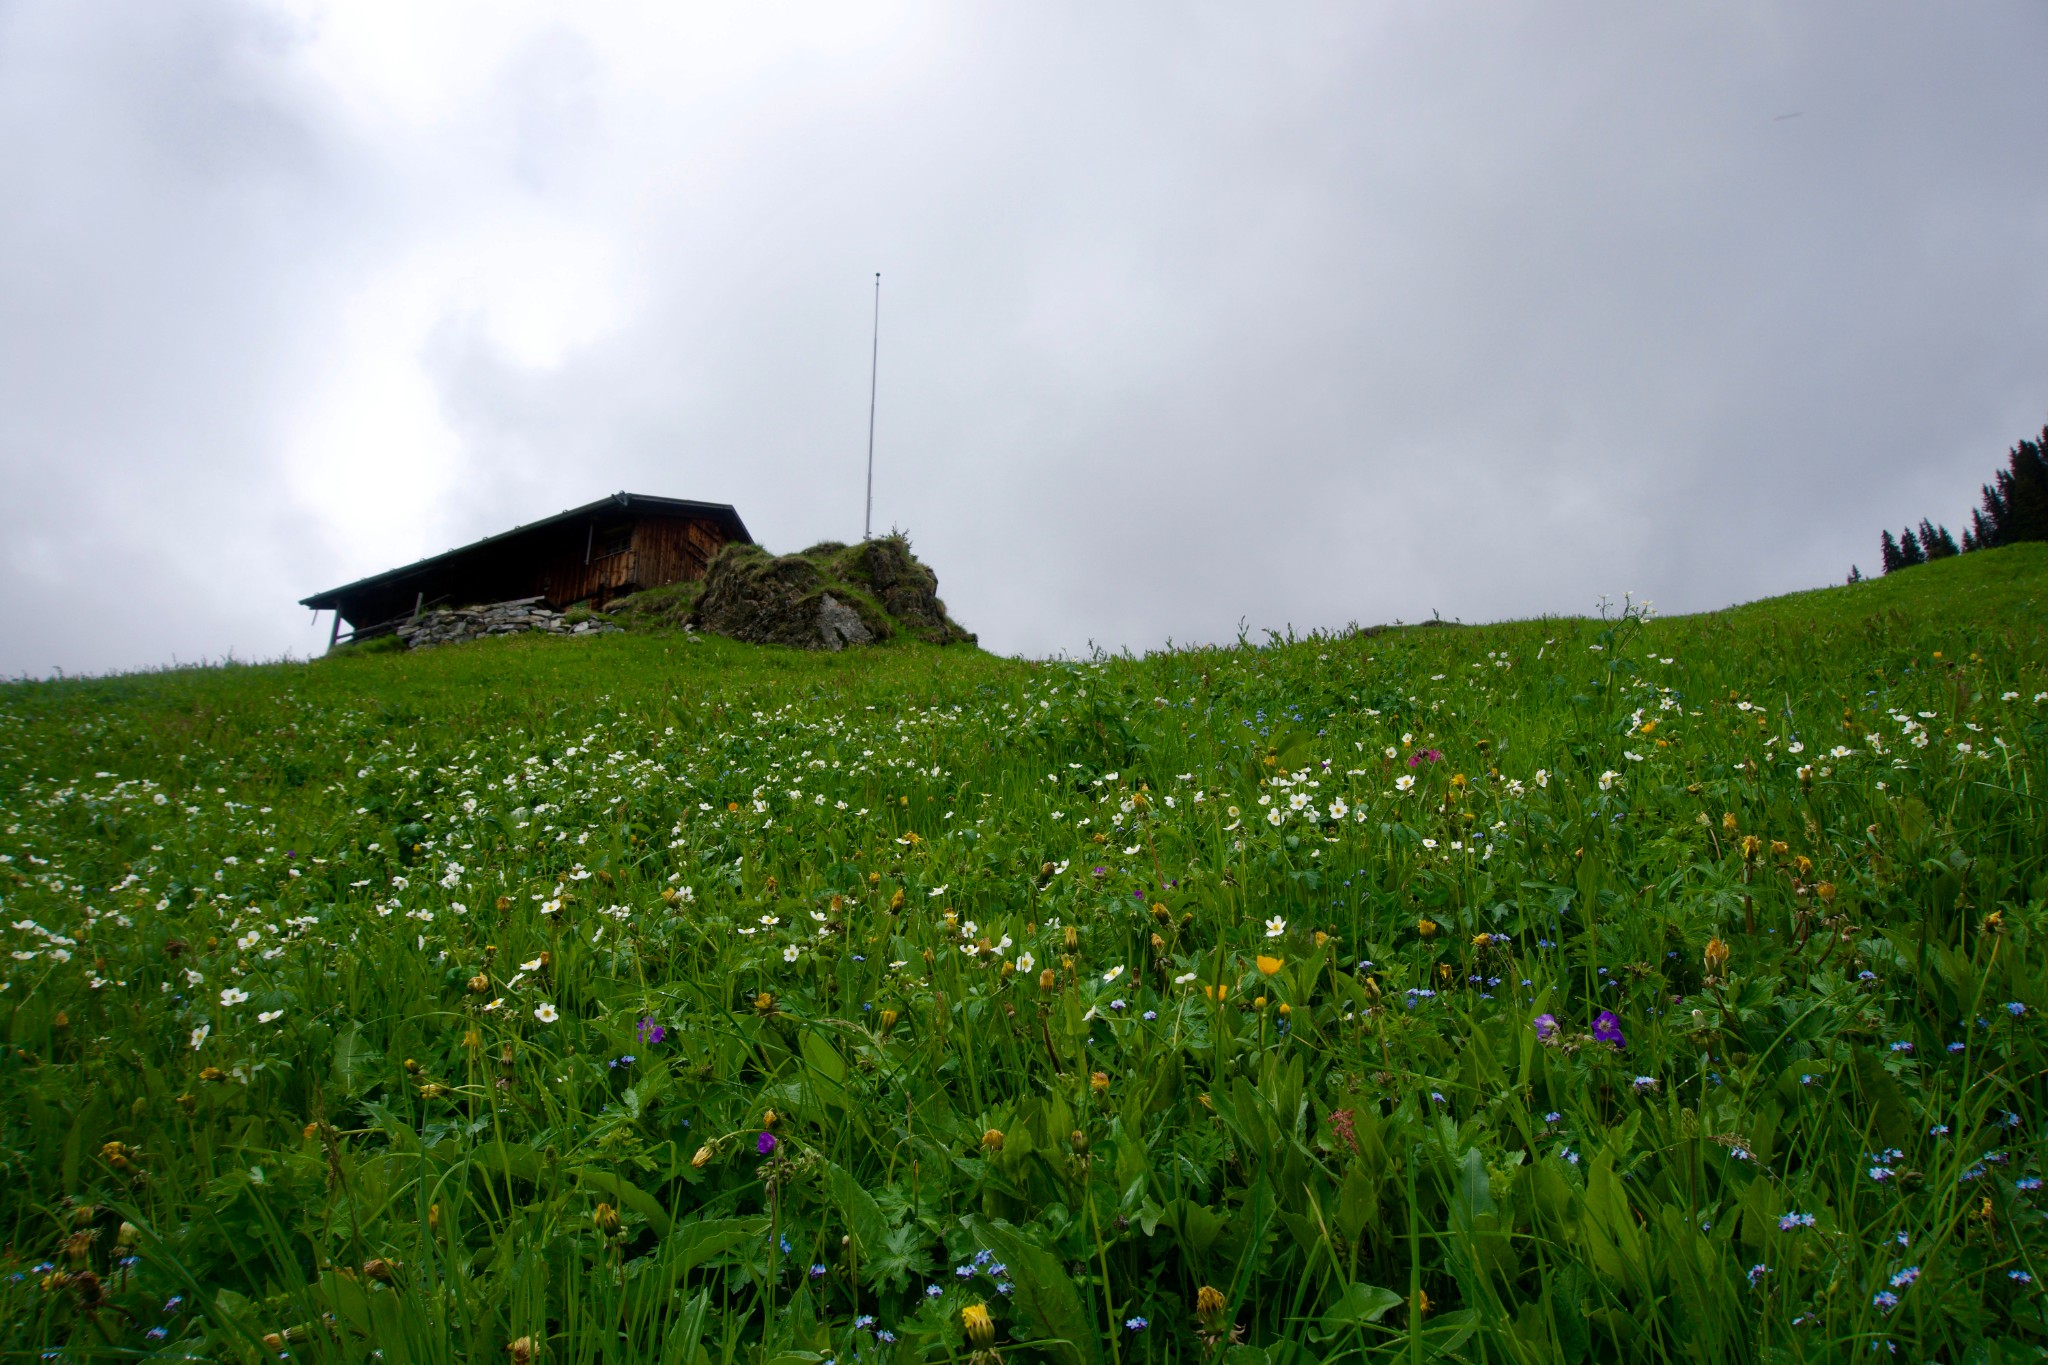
(765, 1143)
(1607, 1029)
(651, 1033)
(1546, 1027)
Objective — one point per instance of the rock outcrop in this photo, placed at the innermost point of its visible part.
(828, 597)
(907, 588)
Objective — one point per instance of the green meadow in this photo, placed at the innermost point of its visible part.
(1607, 989)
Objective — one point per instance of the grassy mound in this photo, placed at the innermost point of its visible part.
(1610, 990)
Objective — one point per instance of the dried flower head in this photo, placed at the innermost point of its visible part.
(1715, 956)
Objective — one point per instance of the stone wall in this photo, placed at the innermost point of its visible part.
(446, 625)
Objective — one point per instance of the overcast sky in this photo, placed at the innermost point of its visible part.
(1290, 314)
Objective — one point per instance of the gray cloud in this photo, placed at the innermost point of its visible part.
(1189, 316)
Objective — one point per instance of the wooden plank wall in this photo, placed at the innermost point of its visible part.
(670, 551)
(660, 551)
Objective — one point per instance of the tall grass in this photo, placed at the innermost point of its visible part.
(1605, 989)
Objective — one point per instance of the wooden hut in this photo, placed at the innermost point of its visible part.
(618, 545)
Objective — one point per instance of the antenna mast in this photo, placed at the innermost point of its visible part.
(867, 525)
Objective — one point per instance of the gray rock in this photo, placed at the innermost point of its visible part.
(840, 625)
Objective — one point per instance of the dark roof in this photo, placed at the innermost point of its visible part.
(631, 504)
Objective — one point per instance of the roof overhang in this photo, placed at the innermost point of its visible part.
(617, 507)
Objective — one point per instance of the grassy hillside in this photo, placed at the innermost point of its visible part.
(1558, 990)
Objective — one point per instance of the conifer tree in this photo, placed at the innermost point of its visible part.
(2016, 500)
(1989, 520)
(2025, 486)
(1935, 541)
(2015, 508)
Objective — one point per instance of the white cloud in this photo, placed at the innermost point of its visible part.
(1188, 314)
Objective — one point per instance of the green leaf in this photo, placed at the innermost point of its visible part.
(1196, 1227)
(681, 1345)
(514, 1159)
(1357, 1201)
(694, 1244)
(1357, 1305)
(823, 1058)
(1887, 1102)
(355, 1061)
(864, 1220)
(1044, 1294)
(1474, 1192)
(629, 1196)
(1915, 820)
(1613, 1240)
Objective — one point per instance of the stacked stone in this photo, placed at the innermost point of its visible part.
(447, 625)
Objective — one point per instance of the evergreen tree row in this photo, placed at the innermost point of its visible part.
(2015, 508)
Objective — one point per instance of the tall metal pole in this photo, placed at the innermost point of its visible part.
(867, 525)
